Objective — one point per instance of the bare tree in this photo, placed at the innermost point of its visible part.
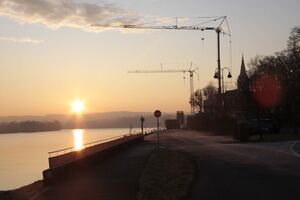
(197, 100)
(210, 92)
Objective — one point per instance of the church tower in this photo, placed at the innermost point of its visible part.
(243, 78)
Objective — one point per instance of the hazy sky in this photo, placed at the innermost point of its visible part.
(50, 55)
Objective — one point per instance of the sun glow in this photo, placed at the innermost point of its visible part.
(78, 139)
(78, 106)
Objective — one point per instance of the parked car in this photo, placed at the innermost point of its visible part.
(262, 126)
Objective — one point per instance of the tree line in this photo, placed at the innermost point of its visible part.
(274, 82)
(29, 126)
(272, 89)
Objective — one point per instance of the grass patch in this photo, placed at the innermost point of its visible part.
(167, 176)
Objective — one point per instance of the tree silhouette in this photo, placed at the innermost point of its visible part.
(197, 100)
(281, 75)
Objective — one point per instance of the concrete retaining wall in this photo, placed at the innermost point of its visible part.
(62, 166)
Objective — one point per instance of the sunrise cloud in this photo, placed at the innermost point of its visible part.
(67, 13)
(22, 40)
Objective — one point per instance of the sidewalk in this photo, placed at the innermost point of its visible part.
(114, 178)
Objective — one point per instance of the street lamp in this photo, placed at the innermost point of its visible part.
(216, 76)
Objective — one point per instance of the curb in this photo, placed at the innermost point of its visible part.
(293, 151)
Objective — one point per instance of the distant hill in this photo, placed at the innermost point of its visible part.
(120, 119)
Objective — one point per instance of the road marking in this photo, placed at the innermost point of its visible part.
(293, 151)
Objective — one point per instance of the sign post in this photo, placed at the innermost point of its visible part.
(142, 124)
(157, 114)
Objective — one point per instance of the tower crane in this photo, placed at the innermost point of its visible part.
(220, 20)
(191, 72)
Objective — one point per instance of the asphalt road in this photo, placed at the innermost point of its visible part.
(228, 170)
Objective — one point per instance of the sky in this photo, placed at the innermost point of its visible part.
(50, 55)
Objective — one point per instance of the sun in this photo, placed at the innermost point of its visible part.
(78, 106)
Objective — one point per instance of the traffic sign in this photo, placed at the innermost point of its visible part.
(157, 113)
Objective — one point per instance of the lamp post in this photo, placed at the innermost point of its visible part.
(219, 73)
(219, 63)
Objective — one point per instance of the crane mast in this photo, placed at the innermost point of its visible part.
(196, 27)
(191, 72)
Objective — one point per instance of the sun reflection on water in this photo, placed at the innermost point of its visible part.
(78, 139)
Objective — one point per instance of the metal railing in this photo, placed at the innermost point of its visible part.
(86, 145)
(90, 144)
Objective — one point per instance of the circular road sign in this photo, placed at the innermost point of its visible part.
(157, 113)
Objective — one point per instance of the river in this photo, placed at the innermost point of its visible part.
(23, 156)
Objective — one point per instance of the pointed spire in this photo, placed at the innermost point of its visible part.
(243, 67)
(243, 77)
